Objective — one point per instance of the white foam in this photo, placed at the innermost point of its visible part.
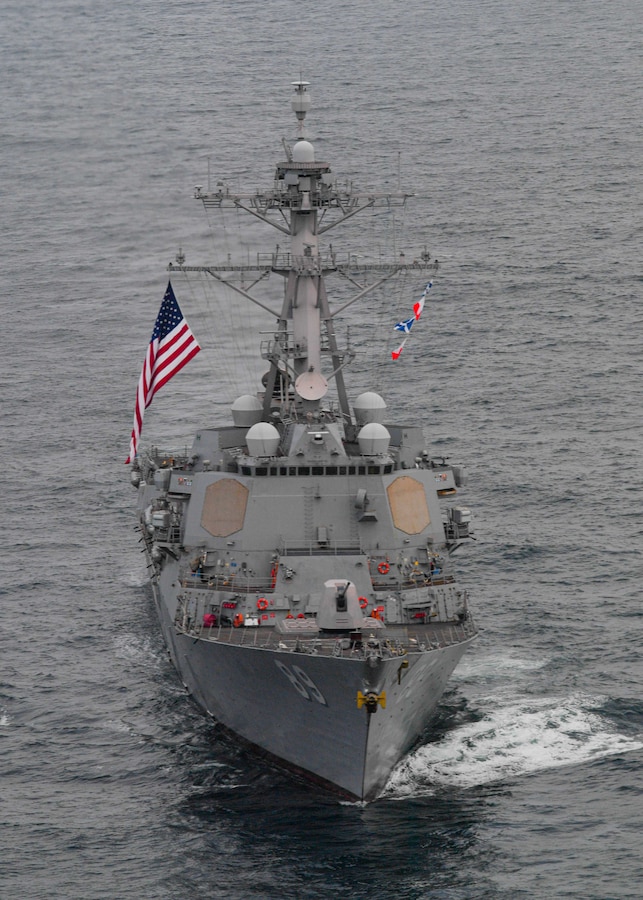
(496, 667)
(136, 578)
(119, 726)
(510, 741)
(134, 648)
(4, 720)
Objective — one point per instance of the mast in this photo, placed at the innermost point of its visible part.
(309, 204)
(307, 185)
(303, 177)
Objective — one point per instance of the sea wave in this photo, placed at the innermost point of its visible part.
(511, 741)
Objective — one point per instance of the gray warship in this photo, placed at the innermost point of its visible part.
(300, 556)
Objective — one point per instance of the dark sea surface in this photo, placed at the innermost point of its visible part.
(519, 126)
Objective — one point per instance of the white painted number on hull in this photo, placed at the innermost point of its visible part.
(301, 682)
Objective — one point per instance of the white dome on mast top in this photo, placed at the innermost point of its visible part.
(303, 151)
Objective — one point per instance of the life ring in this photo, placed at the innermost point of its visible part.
(383, 568)
(262, 603)
(363, 602)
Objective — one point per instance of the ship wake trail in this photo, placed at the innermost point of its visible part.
(511, 741)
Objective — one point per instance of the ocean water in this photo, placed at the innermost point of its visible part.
(519, 129)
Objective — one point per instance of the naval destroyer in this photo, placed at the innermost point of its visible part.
(300, 556)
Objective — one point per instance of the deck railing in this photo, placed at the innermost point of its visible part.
(398, 640)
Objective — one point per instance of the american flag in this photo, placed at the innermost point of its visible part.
(171, 347)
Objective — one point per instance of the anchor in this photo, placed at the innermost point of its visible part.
(370, 700)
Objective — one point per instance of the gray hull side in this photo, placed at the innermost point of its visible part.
(303, 709)
(410, 705)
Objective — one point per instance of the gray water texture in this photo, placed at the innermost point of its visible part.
(519, 129)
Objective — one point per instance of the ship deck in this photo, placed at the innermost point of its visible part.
(391, 640)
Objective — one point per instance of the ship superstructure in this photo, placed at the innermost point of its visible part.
(300, 556)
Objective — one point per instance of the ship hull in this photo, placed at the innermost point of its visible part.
(303, 710)
(301, 554)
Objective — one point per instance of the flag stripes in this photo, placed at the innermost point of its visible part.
(171, 347)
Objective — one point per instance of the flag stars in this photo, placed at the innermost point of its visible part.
(172, 346)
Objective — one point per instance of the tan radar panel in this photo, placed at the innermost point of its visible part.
(224, 508)
(407, 501)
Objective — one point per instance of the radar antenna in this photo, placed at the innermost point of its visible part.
(301, 104)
